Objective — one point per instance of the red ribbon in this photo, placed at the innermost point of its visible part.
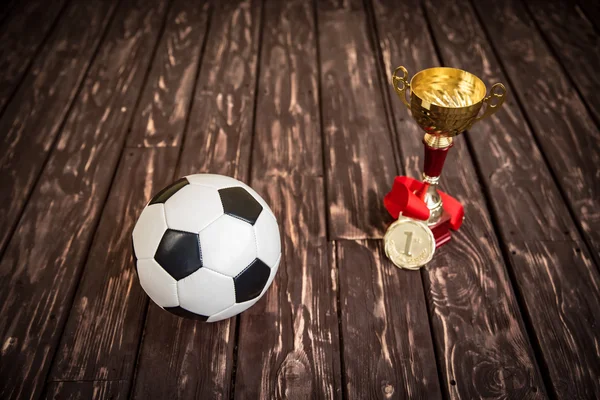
(402, 199)
(406, 197)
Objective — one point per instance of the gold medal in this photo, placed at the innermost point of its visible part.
(409, 243)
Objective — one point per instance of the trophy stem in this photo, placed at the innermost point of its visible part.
(436, 150)
(432, 199)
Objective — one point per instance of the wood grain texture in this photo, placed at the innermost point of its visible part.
(482, 344)
(288, 344)
(527, 206)
(591, 10)
(576, 44)
(503, 144)
(566, 325)
(184, 358)
(43, 260)
(553, 107)
(18, 48)
(101, 337)
(476, 323)
(299, 352)
(32, 120)
(220, 125)
(88, 390)
(104, 329)
(388, 351)
(288, 131)
(75, 229)
(167, 95)
(360, 164)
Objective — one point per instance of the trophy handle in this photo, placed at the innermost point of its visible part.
(497, 93)
(401, 84)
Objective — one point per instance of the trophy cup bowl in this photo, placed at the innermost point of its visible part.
(444, 102)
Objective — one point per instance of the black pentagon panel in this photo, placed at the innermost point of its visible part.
(169, 191)
(182, 312)
(251, 281)
(238, 203)
(179, 253)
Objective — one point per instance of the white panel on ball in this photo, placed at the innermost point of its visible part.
(206, 292)
(148, 231)
(228, 245)
(211, 180)
(268, 242)
(193, 208)
(157, 283)
(233, 310)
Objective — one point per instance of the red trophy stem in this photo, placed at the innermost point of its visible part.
(434, 160)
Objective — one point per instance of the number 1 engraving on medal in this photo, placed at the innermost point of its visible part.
(409, 243)
(409, 236)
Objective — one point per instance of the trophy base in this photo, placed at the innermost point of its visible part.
(451, 219)
(441, 230)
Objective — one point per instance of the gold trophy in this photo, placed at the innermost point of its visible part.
(444, 102)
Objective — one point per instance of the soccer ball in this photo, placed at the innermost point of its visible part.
(207, 247)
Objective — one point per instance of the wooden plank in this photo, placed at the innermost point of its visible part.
(529, 210)
(167, 95)
(288, 132)
(29, 23)
(101, 337)
(43, 260)
(564, 324)
(31, 122)
(388, 351)
(360, 159)
(89, 390)
(103, 332)
(299, 352)
(475, 316)
(378, 338)
(504, 145)
(221, 120)
(553, 108)
(576, 44)
(190, 358)
(477, 324)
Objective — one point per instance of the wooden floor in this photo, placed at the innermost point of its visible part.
(102, 103)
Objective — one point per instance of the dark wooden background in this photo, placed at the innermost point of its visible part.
(104, 102)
